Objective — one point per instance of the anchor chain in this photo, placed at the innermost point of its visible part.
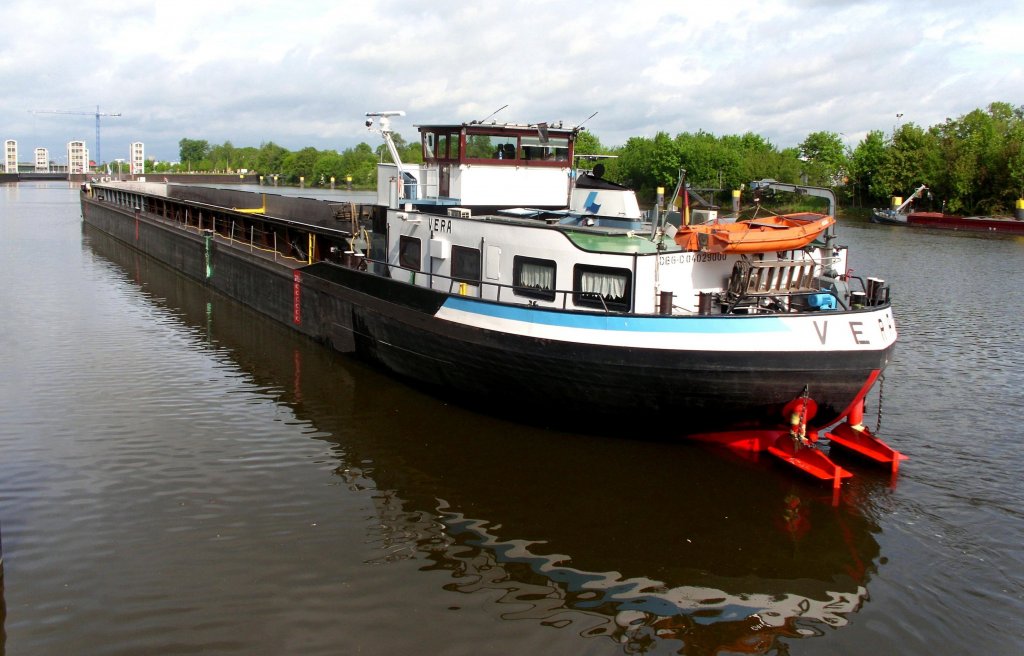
(881, 388)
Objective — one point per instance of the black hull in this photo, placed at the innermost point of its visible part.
(537, 380)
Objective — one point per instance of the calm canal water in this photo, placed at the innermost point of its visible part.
(180, 475)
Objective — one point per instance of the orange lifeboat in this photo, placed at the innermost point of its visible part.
(767, 234)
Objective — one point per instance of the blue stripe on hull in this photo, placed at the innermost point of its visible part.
(615, 322)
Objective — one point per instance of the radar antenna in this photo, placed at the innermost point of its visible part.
(580, 125)
(491, 114)
(385, 131)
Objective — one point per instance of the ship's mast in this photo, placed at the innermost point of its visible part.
(384, 129)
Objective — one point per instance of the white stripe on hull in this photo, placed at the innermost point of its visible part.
(824, 332)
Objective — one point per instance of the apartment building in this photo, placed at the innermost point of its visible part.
(10, 156)
(78, 157)
(42, 160)
(138, 158)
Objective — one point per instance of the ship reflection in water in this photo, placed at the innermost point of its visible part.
(648, 543)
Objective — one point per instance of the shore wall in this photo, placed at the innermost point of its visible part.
(8, 177)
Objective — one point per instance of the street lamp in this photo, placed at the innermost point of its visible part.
(119, 161)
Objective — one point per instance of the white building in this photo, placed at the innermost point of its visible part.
(138, 158)
(10, 156)
(78, 157)
(42, 160)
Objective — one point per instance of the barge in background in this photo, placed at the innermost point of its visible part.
(1000, 224)
(497, 271)
(897, 215)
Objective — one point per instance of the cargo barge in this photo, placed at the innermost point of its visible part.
(497, 272)
(898, 215)
(997, 224)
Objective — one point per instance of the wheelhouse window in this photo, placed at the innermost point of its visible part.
(409, 253)
(491, 147)
(602, 287)
(533, 278)
(466, 264)
(553, 149)
(441, 146)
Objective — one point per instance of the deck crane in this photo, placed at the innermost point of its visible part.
(97, 114)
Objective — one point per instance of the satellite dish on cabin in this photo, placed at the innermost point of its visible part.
(599, 170)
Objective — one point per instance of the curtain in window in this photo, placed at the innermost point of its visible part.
(538, 276)
(611, 287)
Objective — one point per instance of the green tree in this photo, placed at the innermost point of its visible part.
(245, 158)
(648, 163)
(825, 157)
(361, 163)
(979, 159)
(193, 151)
(270, 157)
(300, 165)
(1015, 159)
(710, 163)
(788, 166)
(758, 158)
(384, 154)
(588, 144)
(222, 157)
(328, 164)
(912, 158)
(412, 153)
(867, 160)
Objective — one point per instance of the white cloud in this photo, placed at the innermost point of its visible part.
(303, 74)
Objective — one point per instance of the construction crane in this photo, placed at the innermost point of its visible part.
(97, 114)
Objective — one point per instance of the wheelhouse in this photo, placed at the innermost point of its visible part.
(497, 144)
(483, 165)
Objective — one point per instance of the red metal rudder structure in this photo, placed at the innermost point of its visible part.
(798, 445)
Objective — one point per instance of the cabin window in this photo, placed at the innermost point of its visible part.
(601, 287)
(429, 145)
(491, 147)
(466, 264)
(440, 145)
(409, 253)
(534, 149)
(534, 278)
(448, 146)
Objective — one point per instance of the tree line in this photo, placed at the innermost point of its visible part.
(971, 164)
(309, 165)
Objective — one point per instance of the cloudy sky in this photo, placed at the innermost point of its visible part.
(304, 73)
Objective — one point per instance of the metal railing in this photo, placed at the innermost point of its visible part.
(455, 289)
